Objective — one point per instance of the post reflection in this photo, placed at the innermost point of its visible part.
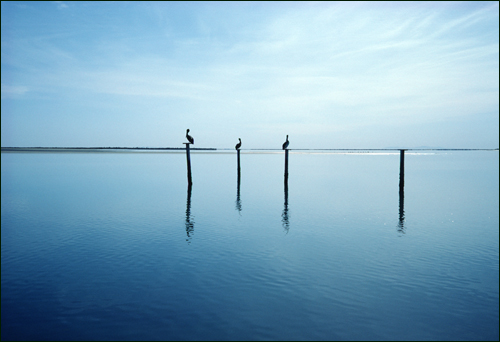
(401, 227)
(189, 221)
(238, 198)
(284, 216)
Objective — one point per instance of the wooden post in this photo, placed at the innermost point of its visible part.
(188, 158)
(401, 170)
(238, 152)
(286, 163)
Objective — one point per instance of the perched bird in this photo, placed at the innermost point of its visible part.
(189, 138)
(285, 144)
(238, 145)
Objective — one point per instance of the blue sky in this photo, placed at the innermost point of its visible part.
(329, 74)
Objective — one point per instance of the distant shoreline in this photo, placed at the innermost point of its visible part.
(101, 149)
(179, 149)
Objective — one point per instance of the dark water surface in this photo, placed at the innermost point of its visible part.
(115, 246)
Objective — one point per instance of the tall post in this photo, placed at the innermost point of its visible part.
(286, 164)
(188, 158)
(401, 170)
(238, 152)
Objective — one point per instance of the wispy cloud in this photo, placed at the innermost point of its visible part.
(9, 91)
(300, 66)
(60, 4)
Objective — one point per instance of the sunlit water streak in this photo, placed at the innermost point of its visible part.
(116, 246)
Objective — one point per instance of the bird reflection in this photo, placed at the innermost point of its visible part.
(284, 216)
(189, 222)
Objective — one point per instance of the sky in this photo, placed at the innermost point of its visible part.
(328, 74)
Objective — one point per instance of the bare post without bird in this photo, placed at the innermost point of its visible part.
(401, 170)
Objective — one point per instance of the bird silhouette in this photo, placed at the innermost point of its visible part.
(189, 138)
(238, 145)
(285, 144)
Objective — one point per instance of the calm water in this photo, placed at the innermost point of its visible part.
(114, 246)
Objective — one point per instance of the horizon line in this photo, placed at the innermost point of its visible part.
(248, 149)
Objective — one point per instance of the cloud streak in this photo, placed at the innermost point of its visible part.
(302, 68)
(13, 91)
(60, 4)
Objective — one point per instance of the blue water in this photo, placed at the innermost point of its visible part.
(115, 246)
